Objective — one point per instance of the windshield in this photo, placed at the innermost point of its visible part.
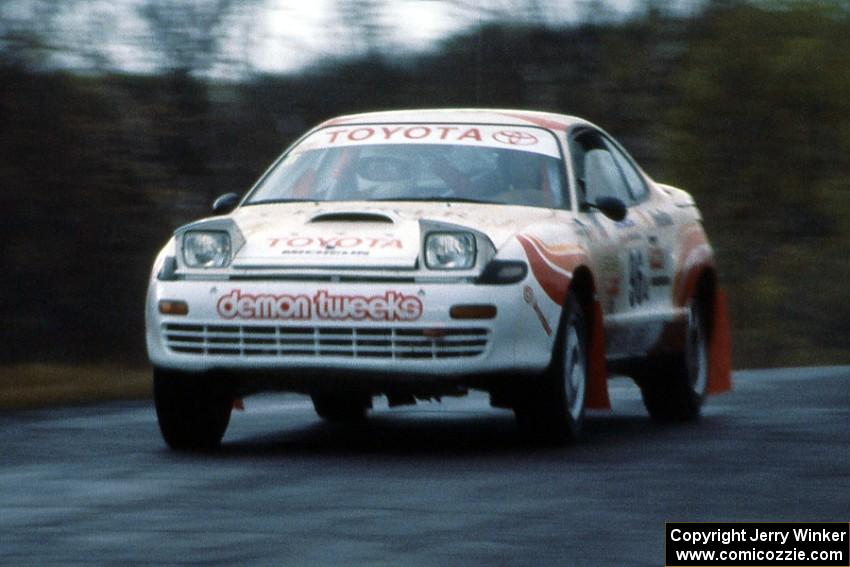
(487, 164)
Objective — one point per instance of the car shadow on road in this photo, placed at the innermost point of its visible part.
(439, 436)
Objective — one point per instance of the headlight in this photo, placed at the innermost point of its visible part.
(450, 250)
(206, 249)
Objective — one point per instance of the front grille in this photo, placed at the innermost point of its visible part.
(351, 342)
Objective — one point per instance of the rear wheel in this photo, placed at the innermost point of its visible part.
(552, 409)
(193, 412)
(345, 407)
(675, 389)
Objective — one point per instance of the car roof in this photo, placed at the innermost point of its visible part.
(557, 122)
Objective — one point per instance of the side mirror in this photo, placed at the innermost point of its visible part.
(611, 207)
(225, 203)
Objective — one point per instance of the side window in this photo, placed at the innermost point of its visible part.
(596, 170)
(635, 182)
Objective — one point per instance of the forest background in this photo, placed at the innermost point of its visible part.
(744, 103)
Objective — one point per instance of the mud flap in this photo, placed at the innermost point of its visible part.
(597, 372)
(720, 348)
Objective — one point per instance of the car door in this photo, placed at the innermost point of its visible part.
(659, 230)
(623, 252)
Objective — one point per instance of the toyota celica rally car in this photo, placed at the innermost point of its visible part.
(420, 254)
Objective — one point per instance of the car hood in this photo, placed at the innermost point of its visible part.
(365, 234)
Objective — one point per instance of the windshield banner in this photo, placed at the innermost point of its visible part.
(535, 140)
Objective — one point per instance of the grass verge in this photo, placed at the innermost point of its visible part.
(39, 385)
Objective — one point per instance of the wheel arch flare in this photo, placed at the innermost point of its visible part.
(696, 277)
(563, 269)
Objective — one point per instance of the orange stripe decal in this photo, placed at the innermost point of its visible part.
(693, 255)
(563, 256)
(553, 282)
(542, 121)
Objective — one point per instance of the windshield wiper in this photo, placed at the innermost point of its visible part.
(436, 200)
(273, 201)
(389, 199)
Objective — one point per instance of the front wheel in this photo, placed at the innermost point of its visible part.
(552, 410)
(193, 412)
(675, 389)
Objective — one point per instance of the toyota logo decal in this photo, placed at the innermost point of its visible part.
(515, 138)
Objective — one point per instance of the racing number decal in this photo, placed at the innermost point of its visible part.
(638, 281)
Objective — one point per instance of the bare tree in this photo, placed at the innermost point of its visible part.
(188, 33)
(30, 31)
(361, 20)
(539, 12)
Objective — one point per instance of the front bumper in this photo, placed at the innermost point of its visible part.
(296, 327)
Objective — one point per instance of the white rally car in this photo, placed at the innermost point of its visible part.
(417, 254)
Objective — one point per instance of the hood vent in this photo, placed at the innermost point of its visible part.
(347, 216)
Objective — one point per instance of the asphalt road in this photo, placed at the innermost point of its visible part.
(436, 484)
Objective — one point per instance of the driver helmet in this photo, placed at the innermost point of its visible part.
(383, 177)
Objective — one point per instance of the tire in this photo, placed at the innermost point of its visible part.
(343, 408)
(193, 413)
(551, 410)
(675, 389)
